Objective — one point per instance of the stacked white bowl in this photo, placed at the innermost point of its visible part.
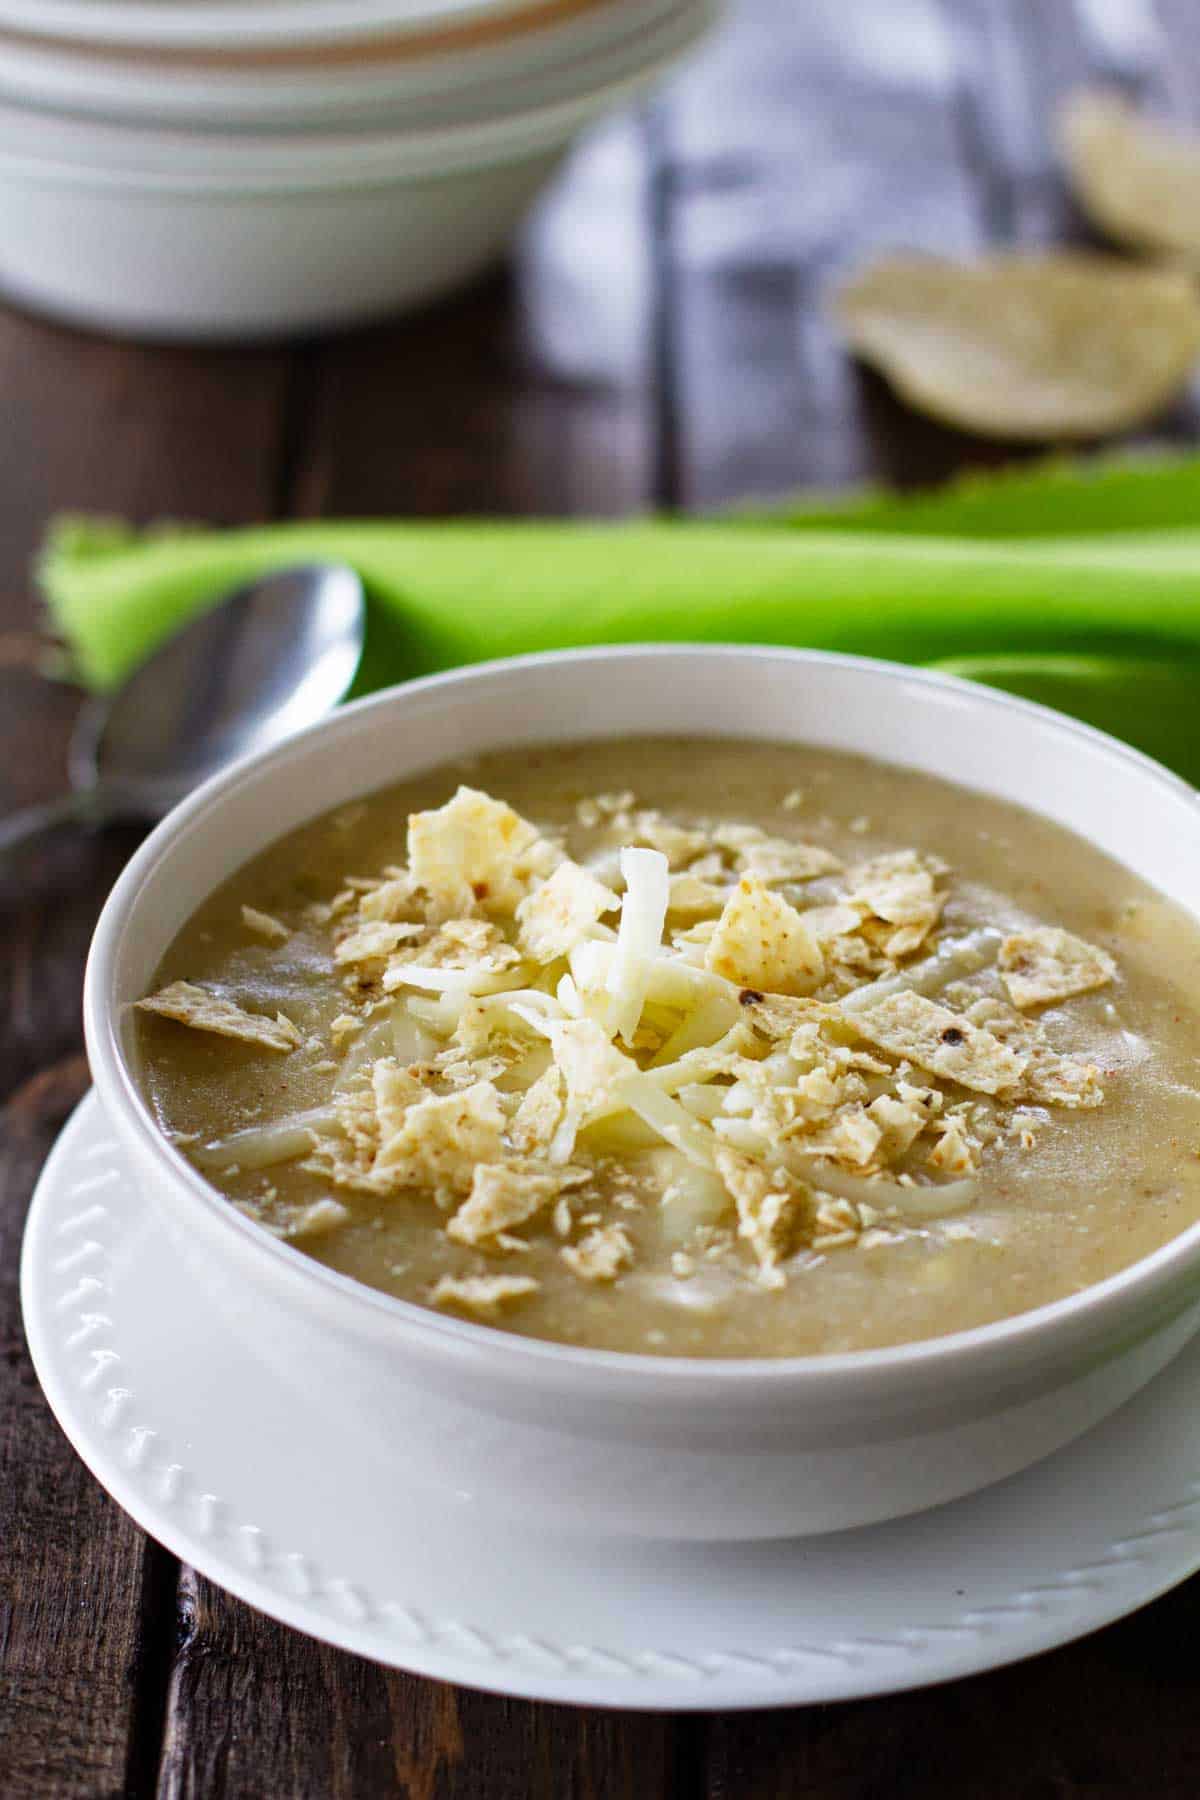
(254, 168)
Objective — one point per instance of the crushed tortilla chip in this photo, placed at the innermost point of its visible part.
(591, 1066)
(690, 896)
(374, 942)
(265, 925)
(1049, 1077)
(393, 1090)
(484, 1295)
(438, 1142)
(953, 1153)
(595, 807)
(393, 900)
(899, 890)
(902, 1117)
(1047, 964)
(651, 831)
(506, 1194)
(562, 911)
(762, 943)
(779, 1015)
(1052, 1079)
(346, 1025)
(830, 923)
(474, 946)
(205, 1011)
(317, 1220)
(774, 859)
(476, 855)
(601, 1255)
(540, 1111)
(773, 1210)
(755, 852)
(852, 1138)
(933, 1037)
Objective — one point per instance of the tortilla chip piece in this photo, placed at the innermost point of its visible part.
(392, 900)
(901, 1120)
(691, 896)
(476, 855)
(908, 1025)
(772, 858)
(438, 1143)
(1138, 179)
(475, 946)
(503, 1195)
(852, 1138)
(953, 1154)
(763, 944)
(346, 1025)
(773, 1211)
(317, 1220)
(651, 831)
(484, 1295)
(393, 1090)
(898, 890)
(838, 1223)
(537, 1117)
(781, 1016)
(561, 912)
(1052, 1079)
(205, 1011)
(1047, 964)
(593, 1069)
(374, 941)
(830, 923)
(1049, 1077)
(1049, 345)
(601, 1255)
(265, 925)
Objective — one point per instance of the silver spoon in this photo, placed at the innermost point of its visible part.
(273, 657)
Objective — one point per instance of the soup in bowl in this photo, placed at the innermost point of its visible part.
(684, 1091)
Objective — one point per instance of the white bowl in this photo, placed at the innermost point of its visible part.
(216, 23)
(603, 1441)
(384, 85)
(180, 235)
(201, 265)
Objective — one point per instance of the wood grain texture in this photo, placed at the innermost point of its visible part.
(1101, 1720)
(72, 1566)
(86, 1603)
(254, 1709)
(455, 413)
(663, 335)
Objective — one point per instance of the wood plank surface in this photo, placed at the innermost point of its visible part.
(662, 336)
(1104, 1719)
(86, 1602)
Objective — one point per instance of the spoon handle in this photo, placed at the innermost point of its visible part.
(73, 807)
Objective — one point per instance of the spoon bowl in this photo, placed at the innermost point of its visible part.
(273, 657)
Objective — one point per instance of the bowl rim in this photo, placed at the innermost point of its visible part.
(531, 26)
(216, 22)
(329, 158)
(124, 1103)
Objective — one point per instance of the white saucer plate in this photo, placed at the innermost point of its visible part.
(219, 1460)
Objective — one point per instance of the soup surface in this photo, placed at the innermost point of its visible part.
(690, 1047)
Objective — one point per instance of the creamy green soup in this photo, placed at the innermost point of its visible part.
(690, 1047)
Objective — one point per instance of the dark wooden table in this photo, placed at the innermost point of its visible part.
(661, 339)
